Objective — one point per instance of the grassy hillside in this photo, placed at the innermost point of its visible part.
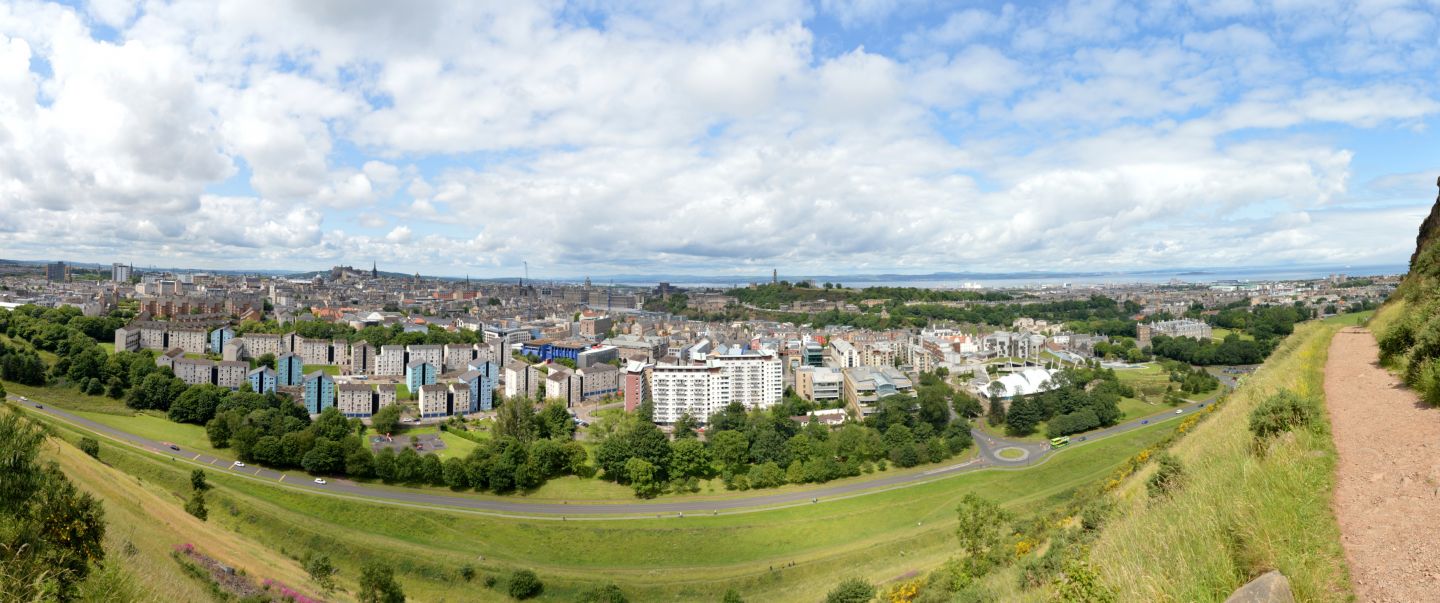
(879, 536)
(1408, 327)
(145, 523)
(1238, 514)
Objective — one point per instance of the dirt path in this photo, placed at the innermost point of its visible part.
(1387, 492)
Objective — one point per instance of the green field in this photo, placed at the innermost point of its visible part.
(885, 534)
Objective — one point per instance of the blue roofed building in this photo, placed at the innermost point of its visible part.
(319, 392)
(481, 379)
(262, 380)
(419, 373)
(289, 370)
(219, 338)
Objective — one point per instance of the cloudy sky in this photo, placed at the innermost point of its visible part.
(719, 137)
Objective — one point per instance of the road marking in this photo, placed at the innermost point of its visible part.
(282, 478)
(212, 460)
(195, 457)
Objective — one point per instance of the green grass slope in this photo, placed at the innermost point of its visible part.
(1239, 514)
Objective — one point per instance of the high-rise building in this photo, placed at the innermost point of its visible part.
(57, 272)
(121, 273)
(702, 388)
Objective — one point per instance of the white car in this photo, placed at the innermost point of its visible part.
(1179, 410)
(320, 481)
(239, 464)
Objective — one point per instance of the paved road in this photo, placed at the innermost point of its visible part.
(988, 446)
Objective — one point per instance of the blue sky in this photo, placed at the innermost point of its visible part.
(717, 137)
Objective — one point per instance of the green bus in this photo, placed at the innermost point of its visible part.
(1060, 441)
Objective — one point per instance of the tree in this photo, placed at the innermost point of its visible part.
(685, 427)
(378, 585)
(197, 404)
(641, 474)
(997, 412)
(325, 457)
(386, 420)
(198, 482)
(266, 359)
(689, 458)
(52, 533)
(1023, 416)
(87, 445)
(554, 421)
(966, 405)
(516, 419)
(524, 584)
(731, 449)
(852, 590)
(321, 572)
(982, 525)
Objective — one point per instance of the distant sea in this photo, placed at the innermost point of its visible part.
(956, 280)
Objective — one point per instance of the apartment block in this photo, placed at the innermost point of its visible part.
(231, 373)
(262, 380)
(355, 400)
(319, 392)
(289, 370)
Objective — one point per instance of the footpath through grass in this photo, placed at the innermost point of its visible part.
(879, 536)
(1238, 514)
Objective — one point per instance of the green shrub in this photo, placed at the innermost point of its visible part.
(90, 446)
(1428, 382)
(1396, 340)
(852, 590)
(604, 594)
(1280, 413)
(524, 584)
(1168, 477)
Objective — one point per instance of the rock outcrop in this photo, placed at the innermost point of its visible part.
(1272, 587)
(1429, 229)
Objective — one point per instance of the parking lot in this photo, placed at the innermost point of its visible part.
(423, 443)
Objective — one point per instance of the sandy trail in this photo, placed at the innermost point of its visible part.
(1387, 492)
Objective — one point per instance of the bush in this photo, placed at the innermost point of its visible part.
(1429, 382)
(1280, 413)
(524, 584)
(1168, 477)
(852, 590)
(1396, 340)
(604, 594)
(90, 446)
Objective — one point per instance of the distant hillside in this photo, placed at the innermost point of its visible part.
(1408, 327)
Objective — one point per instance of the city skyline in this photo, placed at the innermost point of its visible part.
(827, 137)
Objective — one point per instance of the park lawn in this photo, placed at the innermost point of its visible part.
(1132, 409)
(156, 426)
(1220, 333)
(999, 431)
(402, 391)
(68, 398)
(328, 369)
(109, 347)
(455, 446)
(886, 534)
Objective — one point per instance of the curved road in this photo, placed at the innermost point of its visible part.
(988, 446)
